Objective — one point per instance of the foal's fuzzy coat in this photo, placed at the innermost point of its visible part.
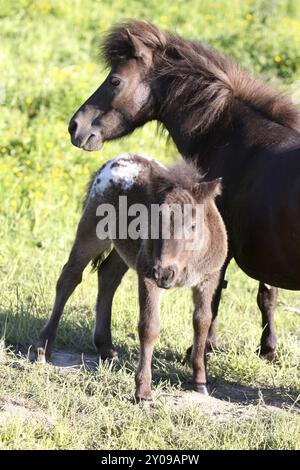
(160, 263)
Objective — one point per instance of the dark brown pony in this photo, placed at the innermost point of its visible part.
(226, 121)
(192, 258)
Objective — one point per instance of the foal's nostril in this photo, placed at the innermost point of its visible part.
(169, 274)
(155, 273)
(164, 276)
(72, 126)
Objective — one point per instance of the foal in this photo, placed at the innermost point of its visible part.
(193, 259)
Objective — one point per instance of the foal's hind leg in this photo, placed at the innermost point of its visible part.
(202, 318)
(211, 341)
(85, 248)
(110, 275)
(266, 300)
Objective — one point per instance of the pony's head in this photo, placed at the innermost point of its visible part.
(126, 98)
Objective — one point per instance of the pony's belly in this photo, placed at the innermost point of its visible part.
(263, 221)
(271, 253)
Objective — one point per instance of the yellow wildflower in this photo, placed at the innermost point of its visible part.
(46, 7)
(277, 58)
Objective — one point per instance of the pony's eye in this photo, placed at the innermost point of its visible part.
(114, 81)
(193, 227)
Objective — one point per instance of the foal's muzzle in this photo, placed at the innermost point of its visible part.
(164, 277)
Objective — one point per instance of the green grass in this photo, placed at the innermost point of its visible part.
(48, 66)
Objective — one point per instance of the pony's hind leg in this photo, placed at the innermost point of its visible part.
(266, 300)
(85, 248)
(110, 274)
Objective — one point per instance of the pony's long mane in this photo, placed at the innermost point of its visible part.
(200, 79)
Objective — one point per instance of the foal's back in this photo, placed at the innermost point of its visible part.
(122, 182)
(122, 175)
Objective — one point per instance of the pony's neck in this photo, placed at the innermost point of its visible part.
(248, 128)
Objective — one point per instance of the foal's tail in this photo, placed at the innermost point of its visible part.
(101, 259)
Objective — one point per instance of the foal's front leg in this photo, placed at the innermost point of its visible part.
(110, 274)
(149, 326)
(202, 318)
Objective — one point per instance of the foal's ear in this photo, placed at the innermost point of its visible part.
(140, 51)
(208, 189)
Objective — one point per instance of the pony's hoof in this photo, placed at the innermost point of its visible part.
(267, 354)
(202, 389)
(108, 354)
(268, 357)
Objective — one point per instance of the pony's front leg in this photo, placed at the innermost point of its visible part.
(202, 318)
(149, 326)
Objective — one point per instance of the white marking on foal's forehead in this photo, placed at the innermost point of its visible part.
(122, 170)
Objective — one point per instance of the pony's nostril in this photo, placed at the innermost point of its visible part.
(72, 126)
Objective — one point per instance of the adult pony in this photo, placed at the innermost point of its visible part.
(230, 124)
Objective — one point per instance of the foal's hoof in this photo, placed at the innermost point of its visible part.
(202, 389)
(143, 398)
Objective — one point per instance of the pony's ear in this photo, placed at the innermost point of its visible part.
(208, 189)
(140, 51)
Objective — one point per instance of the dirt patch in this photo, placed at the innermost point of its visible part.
(75, 361)
(215, 408)
(21, 410)
(227, 400)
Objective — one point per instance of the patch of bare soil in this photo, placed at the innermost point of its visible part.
(74, 361)
(22, 410)
(227, 400)
(214, 408)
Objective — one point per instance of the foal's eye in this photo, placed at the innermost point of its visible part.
(193, 227)
(114, 81)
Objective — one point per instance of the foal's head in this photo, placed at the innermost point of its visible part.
(183, 226)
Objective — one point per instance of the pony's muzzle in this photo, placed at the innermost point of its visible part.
(164, 277)
(83, 135)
